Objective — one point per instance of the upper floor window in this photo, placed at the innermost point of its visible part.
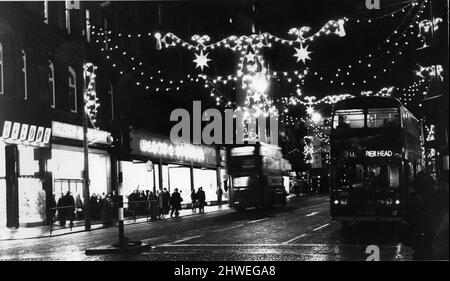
(51, 82)
(72, 90)
(1, 68)
(24, 70)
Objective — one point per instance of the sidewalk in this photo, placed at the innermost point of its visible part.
(44, 231)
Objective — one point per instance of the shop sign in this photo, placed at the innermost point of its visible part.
(21, 133)
(74, 132)
(148, 145)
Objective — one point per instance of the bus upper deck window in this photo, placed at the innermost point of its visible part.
(353, 118)
(381, 118)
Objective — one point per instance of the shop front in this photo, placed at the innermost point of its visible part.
(159, 163)
(67, 161)
(24, 149)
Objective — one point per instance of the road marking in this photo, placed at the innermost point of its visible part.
(263, 219)
(228, 228)
(293, 239)
(312, 214)
(186, 239)
(393, 246)
(320, 227)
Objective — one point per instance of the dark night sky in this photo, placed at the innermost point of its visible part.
(329, 53)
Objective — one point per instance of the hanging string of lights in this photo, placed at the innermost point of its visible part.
(90, 95)
(392, 14)
(214, 81)
(368, 61)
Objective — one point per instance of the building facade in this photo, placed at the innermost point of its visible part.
(43, 47)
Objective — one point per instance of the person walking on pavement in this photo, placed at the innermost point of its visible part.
(70, 206)
(219, 196)
(201, 200)
(175, 202)
(166, 201)
(52, 208)
(193, 200)
(61, 210)
(152, 201)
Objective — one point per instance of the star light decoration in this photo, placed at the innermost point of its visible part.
(201, 60)
(302, 54)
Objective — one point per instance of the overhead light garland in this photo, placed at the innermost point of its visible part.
(367, 62)
(239, 44)
(430, 72)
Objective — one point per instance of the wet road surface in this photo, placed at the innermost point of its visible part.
(302, 230)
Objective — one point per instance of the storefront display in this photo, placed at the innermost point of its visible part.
(23, 189)
(183, 166)
(31, 194)
(67, 161)
(67, 164)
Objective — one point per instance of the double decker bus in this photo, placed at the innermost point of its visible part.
(256, 175)
(376, 150)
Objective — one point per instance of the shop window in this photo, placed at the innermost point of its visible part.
(51, 82)
(24, 70)
(353, 118)
(61, 186)
(385, 117)
(31, 195)
(1, 69)
(72, 90)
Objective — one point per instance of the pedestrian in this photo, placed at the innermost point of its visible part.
(152, 200)
(201, 200)
(160, 205)
(52, 208)
(166, 201)
(175, 202)
(296, 190)
(61, 210)
(219, 196)
(193, 200)
(70, 206)
(78, 206)
(419, 220)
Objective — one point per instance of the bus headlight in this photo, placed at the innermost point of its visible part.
(397, 202)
